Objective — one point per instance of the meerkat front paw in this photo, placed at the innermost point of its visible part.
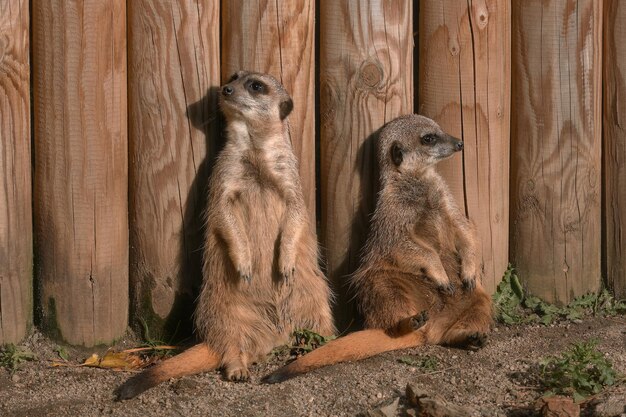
(448, 289)
(469, 275)
(287, 268)
(243, 265)
(441, 280)
(244, 269)
(443, 283)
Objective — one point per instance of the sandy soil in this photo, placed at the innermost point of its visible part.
(495, 381)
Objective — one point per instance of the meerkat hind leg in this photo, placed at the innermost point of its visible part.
(411, 324)
(236, 367)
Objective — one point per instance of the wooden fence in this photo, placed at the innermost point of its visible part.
(125, 129)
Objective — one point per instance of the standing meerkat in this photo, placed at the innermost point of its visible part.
(420, 278)
(261, 278)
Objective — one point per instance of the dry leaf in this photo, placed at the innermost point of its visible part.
(124, 360)
(115, 360)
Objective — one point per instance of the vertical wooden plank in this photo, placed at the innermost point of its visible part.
(81, 204)
(278, 37)
(614, 118)
(556, 146)
(173, 77)
(16, 251)
(464, 84)
(366, 79)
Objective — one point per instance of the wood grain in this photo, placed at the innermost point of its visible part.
(366, 80)
(278, 38)
(464, 84)
(173, 78)
(81, 204)
(16, 252)
(614, 118)
(556, 146)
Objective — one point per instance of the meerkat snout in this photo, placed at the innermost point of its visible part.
(459, 145)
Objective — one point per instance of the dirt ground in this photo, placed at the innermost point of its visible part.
(495, 381)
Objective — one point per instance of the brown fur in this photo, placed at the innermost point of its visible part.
(261, 273)
(420, 257)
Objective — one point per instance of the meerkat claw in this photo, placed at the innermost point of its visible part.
(469, 284)
(448, 289)
(419, 320)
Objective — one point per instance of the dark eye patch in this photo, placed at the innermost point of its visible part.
(256, 87)
(429, 139)
(233, 78)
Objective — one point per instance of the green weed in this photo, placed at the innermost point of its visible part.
(156, 347)
(62, 352)
(580, 372)
(307, 340)
(11, 356)
(513, 306)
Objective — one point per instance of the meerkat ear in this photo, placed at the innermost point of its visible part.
(396, 154)
(285, 108)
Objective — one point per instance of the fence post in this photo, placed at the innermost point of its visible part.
(556, 146)
(465, 84)
(366, 80)
(173, 75)
(16, 243)
(614, 118)
(81, 199)
(278, 38)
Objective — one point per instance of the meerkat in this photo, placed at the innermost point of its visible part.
(420, 277)
(261, 278)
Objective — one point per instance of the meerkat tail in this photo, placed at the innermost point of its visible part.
(196, 359)
(353, 347)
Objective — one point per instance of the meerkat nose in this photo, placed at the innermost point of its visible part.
(227, 90)
(459, 146)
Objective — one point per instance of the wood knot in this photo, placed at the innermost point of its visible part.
(453, 46)
(483, 19)
(371, 74)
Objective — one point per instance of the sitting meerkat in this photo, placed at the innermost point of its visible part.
(420, 277)
(261, 278)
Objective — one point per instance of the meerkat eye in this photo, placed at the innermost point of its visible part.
(429, 139)
(257, 86)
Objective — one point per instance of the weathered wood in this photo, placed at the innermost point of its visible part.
(614, 117)
(81, 203)
(366, 79)
(173, 75)
(16, 251)
(278, 38)
(556, 146)
(464, 84)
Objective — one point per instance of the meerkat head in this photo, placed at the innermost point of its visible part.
(412, 143)
(255, 97)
